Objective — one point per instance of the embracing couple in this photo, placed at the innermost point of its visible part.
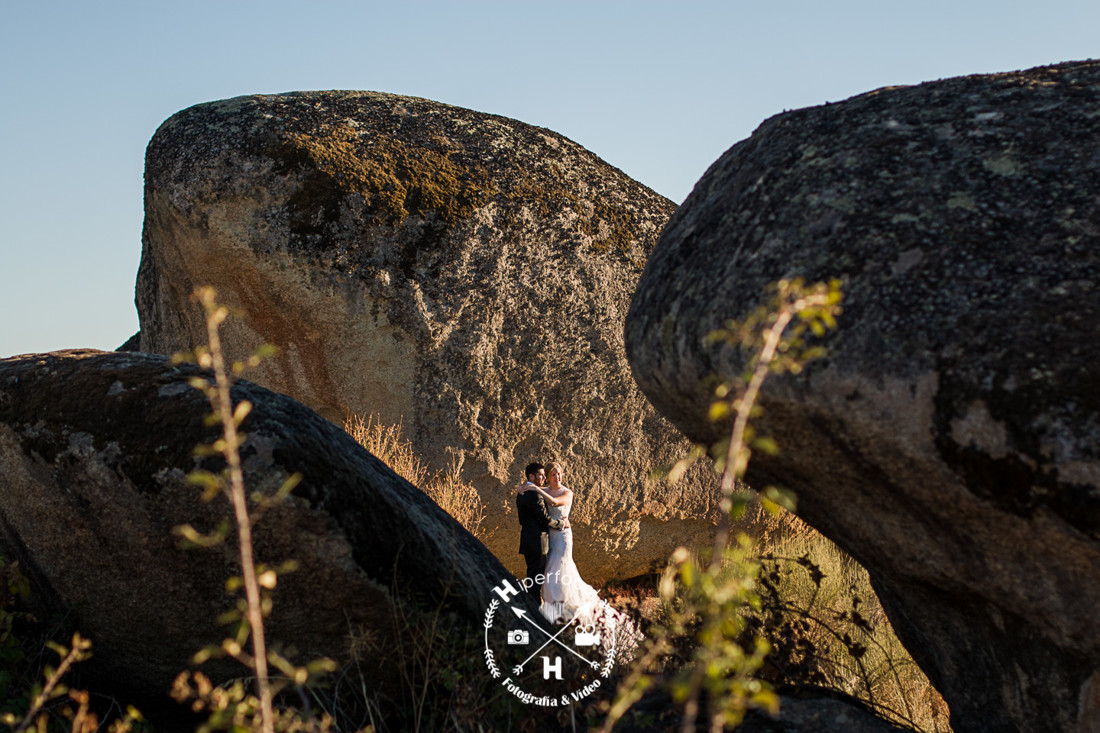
(546, 543)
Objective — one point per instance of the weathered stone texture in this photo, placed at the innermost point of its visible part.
(94, 452)
(951, 439)
(465, 274)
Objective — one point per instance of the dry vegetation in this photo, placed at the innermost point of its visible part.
(446, 488)
(821, 616)
(827, 627)
(818, 611)
(824, 624)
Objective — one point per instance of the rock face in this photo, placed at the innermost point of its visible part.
(816, 713)
(951, 439)
(464, 274)
(94, 452)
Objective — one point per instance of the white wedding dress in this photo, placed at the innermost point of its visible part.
(565, 595)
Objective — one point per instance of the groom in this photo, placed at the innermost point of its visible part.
(534, 521)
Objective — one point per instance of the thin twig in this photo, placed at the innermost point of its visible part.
(231, 451)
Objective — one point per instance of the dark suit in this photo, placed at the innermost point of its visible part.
(534, 543)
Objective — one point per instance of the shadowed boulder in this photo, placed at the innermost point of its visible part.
(808, 710)
(950, 441)
(464, 274)
(94, 452)
(815, 711)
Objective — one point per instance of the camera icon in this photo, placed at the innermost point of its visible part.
(519, 636)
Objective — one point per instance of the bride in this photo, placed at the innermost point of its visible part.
(565, 596)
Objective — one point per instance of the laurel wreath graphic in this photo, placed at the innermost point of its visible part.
(490, 662)
(609, 655)
(606, 628)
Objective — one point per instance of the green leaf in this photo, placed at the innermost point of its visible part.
(766, 445)
(718, 411)
(659, 473)
(680, 468)
(740, 501)
(231, 616)
(323, 665)
(266, 351)
(289, 485)
(782, 497)
(204, 478)
(191, 538)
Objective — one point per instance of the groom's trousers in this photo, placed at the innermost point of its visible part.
(536, 566)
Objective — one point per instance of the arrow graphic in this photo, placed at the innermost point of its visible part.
(523, 615)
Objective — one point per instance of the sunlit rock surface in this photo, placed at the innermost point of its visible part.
(464, 274)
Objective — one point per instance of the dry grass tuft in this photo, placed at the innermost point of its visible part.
(828, 628)
(446, 488)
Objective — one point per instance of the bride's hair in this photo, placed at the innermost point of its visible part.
(554, 464)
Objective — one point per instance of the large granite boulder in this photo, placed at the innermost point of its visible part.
(464, 274)
(951, 440)
(94, 452)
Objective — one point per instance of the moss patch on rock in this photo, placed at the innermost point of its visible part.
(395, 178)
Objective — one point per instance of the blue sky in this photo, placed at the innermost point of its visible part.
(659, 89)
